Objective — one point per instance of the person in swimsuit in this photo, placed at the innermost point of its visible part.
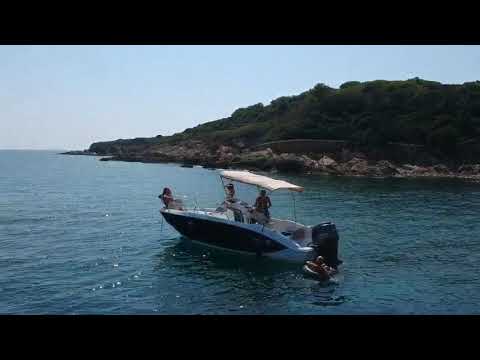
(263, 203)
(320, 268)
(230, 193)
(166, 196)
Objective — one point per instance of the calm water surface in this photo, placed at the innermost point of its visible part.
(80, 236)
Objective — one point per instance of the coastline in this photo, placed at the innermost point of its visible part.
(79, 152)
(411, 128)
(342, 165)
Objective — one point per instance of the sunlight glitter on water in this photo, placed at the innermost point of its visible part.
(57, 255)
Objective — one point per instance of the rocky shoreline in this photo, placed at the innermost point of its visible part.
(345, 163)
(79, 152)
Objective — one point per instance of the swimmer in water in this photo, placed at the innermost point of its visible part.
(319, 267)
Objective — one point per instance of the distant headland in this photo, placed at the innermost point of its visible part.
(411, 128)
(79, 152)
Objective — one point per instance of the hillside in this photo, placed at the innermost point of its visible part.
(371, 113)
(378, 118)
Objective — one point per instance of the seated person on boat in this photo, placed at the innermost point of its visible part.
(241, 210)
(169, 201)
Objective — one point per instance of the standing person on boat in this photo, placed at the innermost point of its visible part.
(166, 197)
(263, 203)
(230, 192)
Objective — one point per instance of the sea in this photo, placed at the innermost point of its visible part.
(82, 236)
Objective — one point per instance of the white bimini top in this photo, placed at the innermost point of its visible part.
(265, 182)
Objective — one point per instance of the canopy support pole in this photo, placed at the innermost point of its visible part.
(196, 202)
(223, 185)
(294, 208)
(225, 194)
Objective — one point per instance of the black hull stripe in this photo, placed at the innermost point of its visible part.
(222, 235)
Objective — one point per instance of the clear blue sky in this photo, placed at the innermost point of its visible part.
(66, 97)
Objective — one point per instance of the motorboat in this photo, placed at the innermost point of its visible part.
(235, 226)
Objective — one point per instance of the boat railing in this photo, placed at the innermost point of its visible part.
(189, 202)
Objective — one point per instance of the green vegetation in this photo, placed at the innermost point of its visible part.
(372, 113)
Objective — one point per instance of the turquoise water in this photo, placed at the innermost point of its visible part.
(80, 236)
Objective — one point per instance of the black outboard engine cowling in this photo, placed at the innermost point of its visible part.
(325, 243)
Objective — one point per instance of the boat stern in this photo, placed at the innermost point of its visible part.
(325, 242)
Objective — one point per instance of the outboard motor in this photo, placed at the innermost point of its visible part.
(325, 243)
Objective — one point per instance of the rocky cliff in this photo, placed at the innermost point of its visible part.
(343, 162)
